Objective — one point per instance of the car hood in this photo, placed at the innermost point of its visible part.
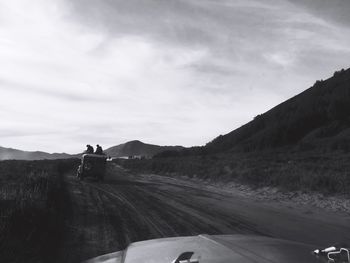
(213, 249)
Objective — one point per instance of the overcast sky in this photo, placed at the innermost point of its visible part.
(168, 72)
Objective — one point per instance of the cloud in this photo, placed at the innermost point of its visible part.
(54, 92)
(167, 72)
(335, 10)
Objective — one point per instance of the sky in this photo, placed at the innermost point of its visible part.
(167, 72)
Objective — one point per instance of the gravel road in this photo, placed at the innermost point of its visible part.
(106, 217)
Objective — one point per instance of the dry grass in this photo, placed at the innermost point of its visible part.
(309, 171)
(31, 200)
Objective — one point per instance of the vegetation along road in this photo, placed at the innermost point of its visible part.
(106, 217)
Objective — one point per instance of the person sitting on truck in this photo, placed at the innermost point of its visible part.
(89, 149)
(98, 149)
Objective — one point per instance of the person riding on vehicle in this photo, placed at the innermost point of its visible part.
(89, 149)
(99, 150)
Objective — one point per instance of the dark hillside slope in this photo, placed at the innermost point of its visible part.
(138, 148)
(318, 116)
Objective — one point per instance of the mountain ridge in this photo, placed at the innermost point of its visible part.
(138, 148)
(130, 148)
(16, 154)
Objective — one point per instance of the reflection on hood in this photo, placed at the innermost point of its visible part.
(212, 249)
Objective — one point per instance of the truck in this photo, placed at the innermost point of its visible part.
(93, 166)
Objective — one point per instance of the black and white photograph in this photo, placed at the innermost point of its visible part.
(175, 131)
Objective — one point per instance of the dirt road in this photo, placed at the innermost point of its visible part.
(105, 217)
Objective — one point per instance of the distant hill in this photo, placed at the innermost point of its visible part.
(9, 154)
(319, 117)
(138, 148)
(134, 148)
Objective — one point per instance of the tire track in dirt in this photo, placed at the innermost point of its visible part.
(88, 223)
(167, 220)
(216, 221)
(174, 215)
(106, 217)
(125, 201)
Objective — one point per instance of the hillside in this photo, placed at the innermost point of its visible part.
(12, 154)
(317, 118)
(138, 148)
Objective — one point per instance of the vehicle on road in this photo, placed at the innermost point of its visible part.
(93, 166)
(222, 249)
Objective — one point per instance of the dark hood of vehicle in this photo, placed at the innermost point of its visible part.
(213, 249)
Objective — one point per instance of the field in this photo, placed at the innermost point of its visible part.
(47, 215)
(31, 201)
